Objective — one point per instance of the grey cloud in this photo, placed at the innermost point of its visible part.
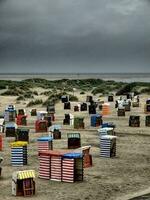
(74, 35)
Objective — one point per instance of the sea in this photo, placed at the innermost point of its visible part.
(118, 77)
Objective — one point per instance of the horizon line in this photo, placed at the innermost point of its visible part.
(82, 73)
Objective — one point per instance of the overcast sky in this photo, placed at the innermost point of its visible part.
(74, 36)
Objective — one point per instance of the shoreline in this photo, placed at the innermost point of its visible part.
(118, 77)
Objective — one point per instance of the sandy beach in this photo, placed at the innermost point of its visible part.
(118, 178)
